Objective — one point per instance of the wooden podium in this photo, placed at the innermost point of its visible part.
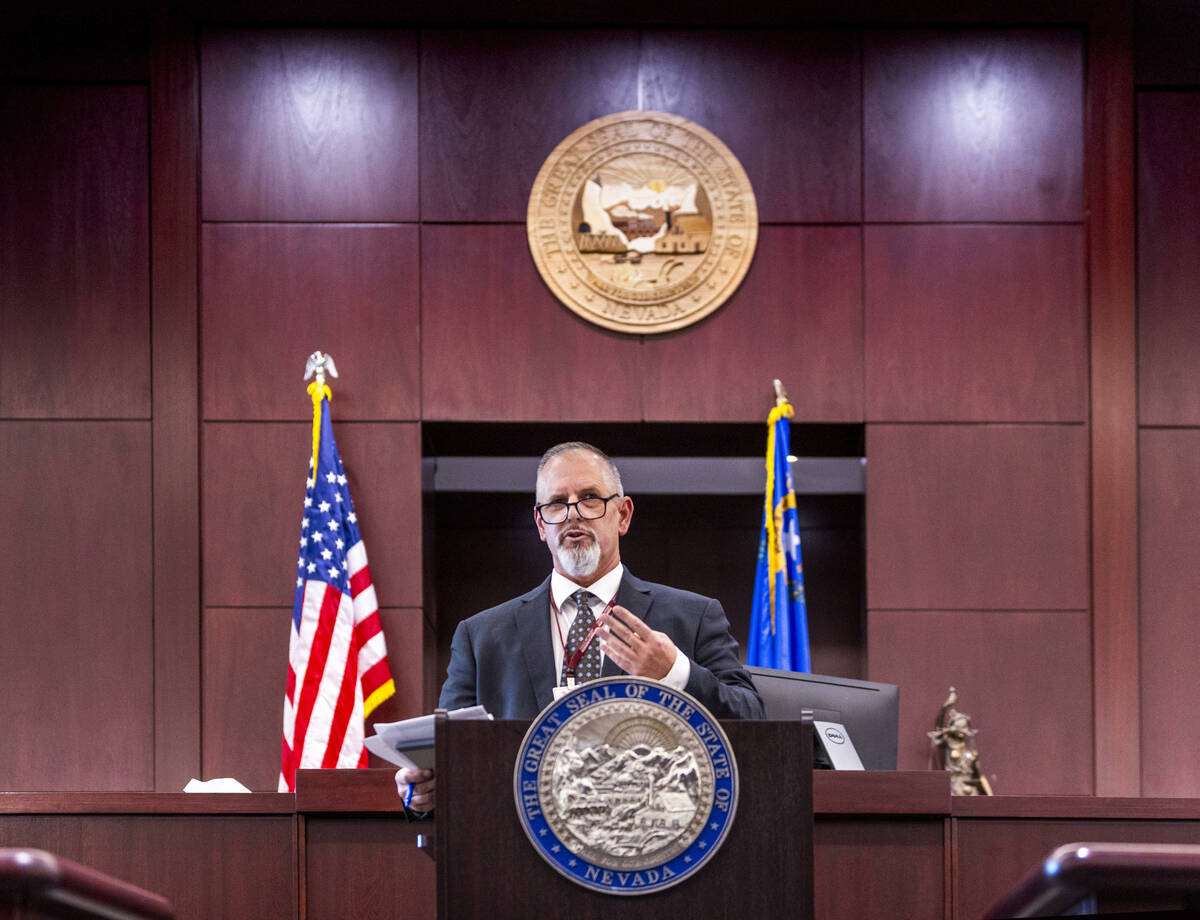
(487, 867)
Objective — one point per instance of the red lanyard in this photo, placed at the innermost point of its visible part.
(573, 661)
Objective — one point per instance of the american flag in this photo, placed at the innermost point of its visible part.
(337, 663)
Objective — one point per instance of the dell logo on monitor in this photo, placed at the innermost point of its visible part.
(832, 734)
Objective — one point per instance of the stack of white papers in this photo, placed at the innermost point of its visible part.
(409, 742)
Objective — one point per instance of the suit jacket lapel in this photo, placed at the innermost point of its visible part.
(634, 595)
(532, 628)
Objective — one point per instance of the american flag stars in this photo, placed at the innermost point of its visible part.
(326, 528)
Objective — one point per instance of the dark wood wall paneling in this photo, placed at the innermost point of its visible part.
(797, 316)
(74, 267)
(976, 323)
(77, 662)
(244, 665)
(497, 346)
(487, 322)
(494, 104)
(1169, 444)
(309, 124)
(982, 517)
(970, 125)
(787, 103)
(75, 396)
(274, 293)
(975, 318)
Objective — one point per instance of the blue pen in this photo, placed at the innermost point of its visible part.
(408, 796)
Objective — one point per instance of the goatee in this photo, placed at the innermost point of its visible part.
(579, 560)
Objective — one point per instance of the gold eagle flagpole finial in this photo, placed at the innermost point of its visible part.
(318, 363)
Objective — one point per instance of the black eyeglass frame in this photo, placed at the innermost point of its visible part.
(578, 510)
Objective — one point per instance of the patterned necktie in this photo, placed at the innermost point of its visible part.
(589, 664)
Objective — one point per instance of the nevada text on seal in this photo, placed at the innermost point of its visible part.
(625, 785)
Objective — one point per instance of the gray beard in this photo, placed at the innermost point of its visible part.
(580, 561)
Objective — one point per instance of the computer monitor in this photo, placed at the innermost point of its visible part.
(869, 711)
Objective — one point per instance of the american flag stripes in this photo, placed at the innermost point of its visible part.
(337, 663)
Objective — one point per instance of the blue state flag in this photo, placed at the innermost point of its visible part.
(779, 617)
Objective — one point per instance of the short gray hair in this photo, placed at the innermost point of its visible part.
(569, 446)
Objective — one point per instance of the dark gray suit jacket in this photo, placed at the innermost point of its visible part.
(502, 658)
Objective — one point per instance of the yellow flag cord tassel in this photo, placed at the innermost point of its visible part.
(783, 409)
(318, 390)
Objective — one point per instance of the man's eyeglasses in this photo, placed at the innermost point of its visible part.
(587, 508)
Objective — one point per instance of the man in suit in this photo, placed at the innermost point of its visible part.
(511, 657)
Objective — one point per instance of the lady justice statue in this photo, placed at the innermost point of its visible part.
(953, 741)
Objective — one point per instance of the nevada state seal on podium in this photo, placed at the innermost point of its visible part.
(626, 786)
(624, 795)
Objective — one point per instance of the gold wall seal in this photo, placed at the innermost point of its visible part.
(642, 222)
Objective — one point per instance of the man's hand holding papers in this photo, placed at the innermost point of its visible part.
(409, 744)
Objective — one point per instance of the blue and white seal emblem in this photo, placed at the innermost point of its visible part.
(626, 786)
